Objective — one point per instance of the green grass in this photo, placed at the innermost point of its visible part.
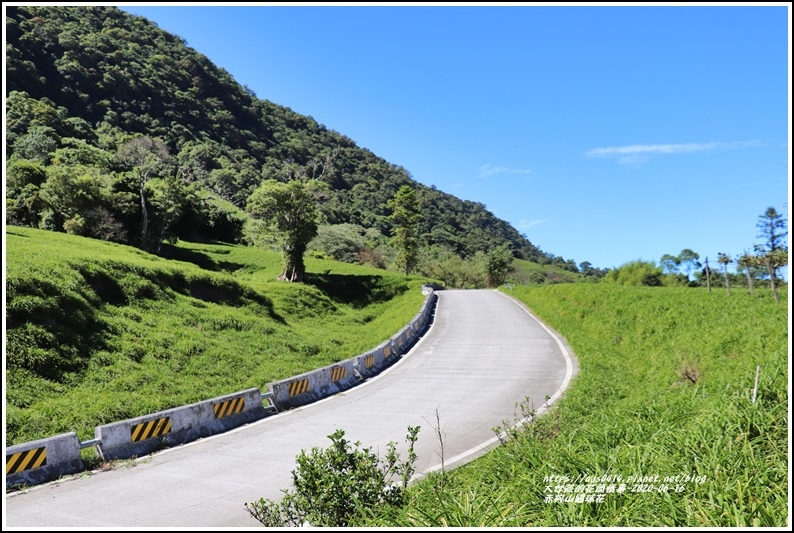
(528, 272)
(98, 332)
(665, 389)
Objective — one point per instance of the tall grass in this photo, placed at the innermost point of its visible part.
(665, 389)
(98, 332)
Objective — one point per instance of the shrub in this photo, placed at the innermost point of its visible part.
(635, 273)
(337, 485)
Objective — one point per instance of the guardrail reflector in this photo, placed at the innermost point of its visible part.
(298, 386)
(21, 461)
(150, 429)
(338, 373)
(229, 407)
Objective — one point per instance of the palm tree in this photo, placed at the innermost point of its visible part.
(724, 260)
(748, 261)
(773, 260)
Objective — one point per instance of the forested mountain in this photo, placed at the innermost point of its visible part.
(82, 81)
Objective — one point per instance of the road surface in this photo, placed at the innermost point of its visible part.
(483, 353)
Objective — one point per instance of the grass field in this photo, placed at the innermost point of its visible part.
(98, 332)
(664, 419)
(666, 389)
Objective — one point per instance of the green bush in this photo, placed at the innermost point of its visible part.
(635, 273)
(338, 485)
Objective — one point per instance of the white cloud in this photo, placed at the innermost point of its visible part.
(488, 170)
(529, 224)
(637, 153)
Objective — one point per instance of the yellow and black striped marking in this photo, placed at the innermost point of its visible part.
(298, 387)
(387, 351)
(369, 361)
(229, 407)
(150, 429)
(338, 372)
(19, 462)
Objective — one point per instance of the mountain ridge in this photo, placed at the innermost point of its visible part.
(81, 80)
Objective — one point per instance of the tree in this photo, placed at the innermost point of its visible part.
(498, 264)
(37, 145)
(670, 263)
(450, 268)
(773, 229)
(147, 157)
(289, 212)
(725, 260)
(747, 262)
(773, 260)
(689, 259)
(170, 198)
(406, 217)
(707, 273)
(23, 184)
(341, 242)
(70, 192)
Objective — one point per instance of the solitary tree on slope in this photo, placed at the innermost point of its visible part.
(289, 212)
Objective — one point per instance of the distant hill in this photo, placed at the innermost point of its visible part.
(80, 81)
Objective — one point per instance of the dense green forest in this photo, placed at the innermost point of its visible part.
(119, 131)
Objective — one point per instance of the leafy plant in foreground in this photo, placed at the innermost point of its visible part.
(334, 486)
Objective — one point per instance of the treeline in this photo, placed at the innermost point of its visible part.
(88, 87)
(761, 266)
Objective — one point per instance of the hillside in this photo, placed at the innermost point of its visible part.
(81, 81)
(678, 418)
(98, 332)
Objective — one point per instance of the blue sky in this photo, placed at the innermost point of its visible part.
(605, 134)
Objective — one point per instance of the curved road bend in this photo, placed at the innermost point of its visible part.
(483, 353)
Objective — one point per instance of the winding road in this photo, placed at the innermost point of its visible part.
(483, 353)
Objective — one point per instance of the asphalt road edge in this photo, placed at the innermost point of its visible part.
(571, 370)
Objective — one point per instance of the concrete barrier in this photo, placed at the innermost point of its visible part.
(314, 385)
(372, 363)
(47, 459)
(403, 340)
(43, 460)
(317, 384)
(146, 434)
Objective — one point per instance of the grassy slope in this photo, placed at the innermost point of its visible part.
(665, 389)
(99, 332)
(552, 273)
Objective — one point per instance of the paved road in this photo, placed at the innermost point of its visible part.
(483, 353)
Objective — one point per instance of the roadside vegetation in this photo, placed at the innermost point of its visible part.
(115, 311)
(99, 332)
(666, 388)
